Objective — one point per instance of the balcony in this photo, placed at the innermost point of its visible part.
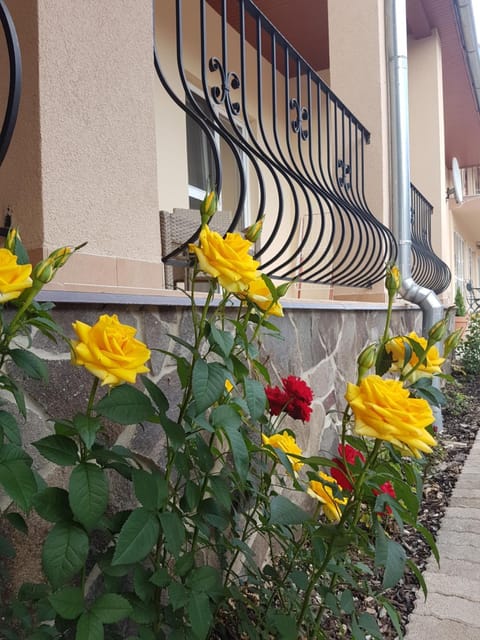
(262, 127)
(427, 268)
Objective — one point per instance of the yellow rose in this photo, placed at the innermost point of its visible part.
(384, 409)
(259, 294)
(431, 364)
(109, 350)
(324, 493)
(14, 278)
(286, 443)
(226, 259)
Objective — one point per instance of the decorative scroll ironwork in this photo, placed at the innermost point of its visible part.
(427, 268)
(304, 175)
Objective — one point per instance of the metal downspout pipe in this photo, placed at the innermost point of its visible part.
(396, 44)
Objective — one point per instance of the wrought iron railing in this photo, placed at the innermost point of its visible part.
(427, 268)
(298, 152)
(15, 79)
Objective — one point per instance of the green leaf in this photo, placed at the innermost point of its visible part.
(52, 504)
(151, 489)
(137, 537)
(68, 602)
(64, 552)
(110, 608)
(142, 584)
(10, 428)
(347, 603)
(6, 548)
(284, 511)
(89, 627)
(225, 414)
(11, 453)
(87, 428)
(18, 480)
(31, 364)
(239, 450)
(419, 576)
(368, 622)
(430, 540)
(262, 369)
(221, 340)
(177, 595)
(391, 556)
(255, 397)
(174, 532)
(208, 383)
(285, 626)
(161, 578)
(384, 361)
(17, 521)
(58, 449)
(204, 579)
(88, 493)
(126, 405)
(393, 615)
(156, 394)
(200, 614)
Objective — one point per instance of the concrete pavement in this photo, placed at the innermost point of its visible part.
(452, 608)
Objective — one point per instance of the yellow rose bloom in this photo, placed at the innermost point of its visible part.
(287, 444)
(259, 294)
(384, 409)
(324, 493)
(432, 363)
(109, 350)
(226, 259)
(14, 278)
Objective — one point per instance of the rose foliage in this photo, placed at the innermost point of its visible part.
(239, 530)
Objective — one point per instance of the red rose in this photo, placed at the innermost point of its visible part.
(277, 399)
(295, 398)
(350, 455)
(298, 389)
(387, 488)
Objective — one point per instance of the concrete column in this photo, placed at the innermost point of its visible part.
(427, 135)
(358, 77)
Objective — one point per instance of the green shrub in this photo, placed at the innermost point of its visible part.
(460, 303)
(469, 349)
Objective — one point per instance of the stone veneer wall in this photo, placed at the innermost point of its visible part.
(318, 345)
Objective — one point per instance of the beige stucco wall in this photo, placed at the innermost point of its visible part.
(427, 138)
(82, 166)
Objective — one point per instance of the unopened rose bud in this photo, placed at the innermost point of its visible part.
(437, 332)
(283, 288)
(366, 360)
(11, 239)
(452, 341)
(208, 206)
(60, 256)
(253, 232)
(43, 271)
(393, 280)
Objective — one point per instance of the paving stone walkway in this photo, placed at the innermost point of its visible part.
(452, 608)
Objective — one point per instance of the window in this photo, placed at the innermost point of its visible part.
(201, 165)
(459, 249)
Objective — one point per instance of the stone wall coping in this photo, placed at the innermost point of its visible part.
(178, 299)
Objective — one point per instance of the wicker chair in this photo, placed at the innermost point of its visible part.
(176, 228)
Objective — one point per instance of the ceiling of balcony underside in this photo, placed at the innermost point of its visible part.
(462, 120)
(305, 24)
